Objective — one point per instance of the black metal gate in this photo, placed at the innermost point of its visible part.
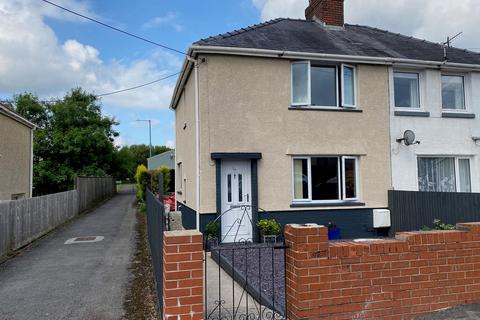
(244, 280)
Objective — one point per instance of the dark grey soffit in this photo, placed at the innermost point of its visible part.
(236, 155)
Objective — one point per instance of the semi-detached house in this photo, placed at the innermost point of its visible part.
(303, 120)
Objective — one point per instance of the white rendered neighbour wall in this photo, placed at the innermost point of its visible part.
(438, 136)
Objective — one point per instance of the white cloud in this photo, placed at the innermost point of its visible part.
(170, 144)
(427, 19)
(33, 59)
(168, 19)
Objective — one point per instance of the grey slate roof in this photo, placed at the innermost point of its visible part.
(354, 40)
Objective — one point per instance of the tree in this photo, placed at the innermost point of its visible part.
(129, 157)
(72, 138)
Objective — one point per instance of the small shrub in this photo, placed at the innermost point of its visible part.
(269, 227)
(212, 229)
(439, 225)
(166, 179)
(142, 181)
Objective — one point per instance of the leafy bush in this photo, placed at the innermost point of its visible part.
(142, 179)
(269, 227)
(167, 177)
(439, 225)
(212, 229)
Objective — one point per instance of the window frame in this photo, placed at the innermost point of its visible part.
(309, 85)
(419, 89)
(341, 176)
(345, 105)
(465, 104)
(344, 187)
(456, 167)
(339, 87)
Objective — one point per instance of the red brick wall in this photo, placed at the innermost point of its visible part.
(415, 273)
(183, 275)
(330, 12)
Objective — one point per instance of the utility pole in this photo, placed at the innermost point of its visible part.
(149, 132)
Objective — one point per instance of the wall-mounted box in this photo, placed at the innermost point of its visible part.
(381, 218)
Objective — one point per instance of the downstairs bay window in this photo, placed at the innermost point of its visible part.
(325, 179)
(444, 174)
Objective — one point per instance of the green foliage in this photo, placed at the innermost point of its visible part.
(167, 177)
(269, 227)
(212, 229)
(72, 138)
(142, 181)
(439, 225)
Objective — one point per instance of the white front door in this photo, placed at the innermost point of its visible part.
(236, 201)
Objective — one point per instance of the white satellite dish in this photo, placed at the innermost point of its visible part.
(408, 138)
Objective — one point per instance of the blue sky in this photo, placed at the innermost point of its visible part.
(47, 51)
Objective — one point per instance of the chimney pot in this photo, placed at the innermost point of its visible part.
(330, 12)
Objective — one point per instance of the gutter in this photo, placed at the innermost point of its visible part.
(194, 50)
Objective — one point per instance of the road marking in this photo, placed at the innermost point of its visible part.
(84, 240)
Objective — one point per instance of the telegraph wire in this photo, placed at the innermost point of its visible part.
(116, 29)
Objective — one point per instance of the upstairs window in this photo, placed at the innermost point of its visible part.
(453, 92)
(318, 85)
(407, 91)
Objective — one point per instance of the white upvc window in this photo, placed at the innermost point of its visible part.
(406, 87)
(324, 179)
(453, 92)
(444, 174)
(349, 95)
(317, 85)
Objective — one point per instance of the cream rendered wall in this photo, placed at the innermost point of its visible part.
(244, 105)
(15, 158)
(438, 136)
(185, 145)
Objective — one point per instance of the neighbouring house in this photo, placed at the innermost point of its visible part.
(166, 159)
(16, 155)
(298, 120)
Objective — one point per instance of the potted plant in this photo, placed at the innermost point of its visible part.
(269, 230)
(212, 230)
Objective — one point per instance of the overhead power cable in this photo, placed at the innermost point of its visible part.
(114, 28)
(137, 87)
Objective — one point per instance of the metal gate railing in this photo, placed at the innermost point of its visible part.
(156, 224)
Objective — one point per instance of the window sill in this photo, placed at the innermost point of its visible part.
(458, 115)
(423, 114)
(333, 109)
(327, 204)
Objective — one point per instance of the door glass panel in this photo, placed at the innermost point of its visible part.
(240, 188)
(229, 188)
(464, 174)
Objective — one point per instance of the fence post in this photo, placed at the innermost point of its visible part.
(160, 186)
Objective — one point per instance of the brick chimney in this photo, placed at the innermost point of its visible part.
(329, 12)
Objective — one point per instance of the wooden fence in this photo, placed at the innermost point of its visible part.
(23, 221)
(411, 210)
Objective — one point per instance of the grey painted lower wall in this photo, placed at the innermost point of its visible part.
(356, 223)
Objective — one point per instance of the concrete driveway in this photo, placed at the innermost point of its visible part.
(54, 280)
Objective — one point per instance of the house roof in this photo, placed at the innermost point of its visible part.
(310, 36)
(9, 112)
